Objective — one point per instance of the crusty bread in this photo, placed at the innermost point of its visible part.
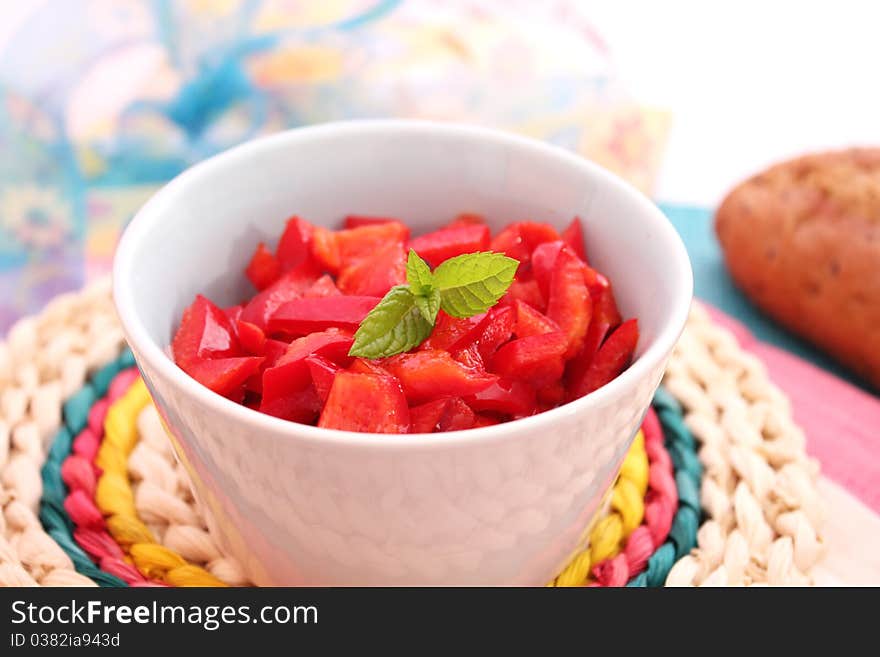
(802, 240)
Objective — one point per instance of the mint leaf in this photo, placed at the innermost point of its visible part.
(395, 325)
(418, 275)
(429, 305)
(472, 283)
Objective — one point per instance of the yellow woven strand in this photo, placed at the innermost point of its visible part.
(627, 512)
(115, 498)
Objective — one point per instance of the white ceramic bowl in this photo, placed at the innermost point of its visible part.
(507, 504)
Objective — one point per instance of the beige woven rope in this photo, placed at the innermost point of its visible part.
(43, 361)
(759, 490)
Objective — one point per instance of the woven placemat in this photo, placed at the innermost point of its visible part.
(92, 495)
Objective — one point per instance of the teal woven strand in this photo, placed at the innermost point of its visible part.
(53, 516)
(680, 444)
(76, 409)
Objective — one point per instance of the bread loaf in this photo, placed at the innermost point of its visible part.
(802, 240)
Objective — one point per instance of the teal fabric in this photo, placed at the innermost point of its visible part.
(713, 285)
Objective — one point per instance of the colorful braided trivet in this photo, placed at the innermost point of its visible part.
(92, 494)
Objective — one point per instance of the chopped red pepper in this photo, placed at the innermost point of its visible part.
(569, 303)
(544, 259)
(498, 327)
(365, 402)
(291, 373)
(290, 286)
(510, 397)
(357, 243)
(264, 268)
(323, 371)
(446, 243)
(518, 240)
(204, 332)
(225, 376)
(306, 315)
(448, 414)
(537, 359)
(251, 337)
(531, 322)
(375, 274)
(573, 235)
(525, 290)
(612, 358)
(323, 287)
(431, 374)
(454, 333)
(294, 245)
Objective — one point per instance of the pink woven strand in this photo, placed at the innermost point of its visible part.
(83, 512)
(661, 502)
(86, 444)
(124, 571)
(121, 383)
(77, 473)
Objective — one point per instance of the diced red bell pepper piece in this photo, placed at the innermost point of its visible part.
(518, 240)
(483, 420)
(503, 396)
(531, 322)
(204, 332)
(234, 314)
(290, 286)
(612, 358)
(449, 414)
(302, 405)
(251, 337)
(307, 315)
(323, 287)
(225, 376)
(605, 318)
(425, 418)
(498, 327)
(470, 357)
(291, 373)
(466, 219)
(375, 274)
(525, 290)
(449, 242)
(573, 235)
(431, 374)
(356, 243)
(264, 268)
(367, 366)
(536, 359)
(551, 394)
(357, 220)
(294, 245)
(325, 249)
(453, 333)
(569, 303)
(457, 416)
(273, 350)
(365, 402)
(544, 264)
(323, 371)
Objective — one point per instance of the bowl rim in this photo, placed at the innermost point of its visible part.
(145, 347)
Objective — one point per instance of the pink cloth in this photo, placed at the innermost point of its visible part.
(840, 420)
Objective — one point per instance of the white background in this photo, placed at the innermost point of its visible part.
(748, 82)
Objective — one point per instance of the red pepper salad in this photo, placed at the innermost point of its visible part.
(370, 329)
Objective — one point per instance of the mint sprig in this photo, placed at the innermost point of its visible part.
(462, 286)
